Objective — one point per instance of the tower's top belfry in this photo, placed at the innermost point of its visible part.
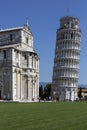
(69, 22)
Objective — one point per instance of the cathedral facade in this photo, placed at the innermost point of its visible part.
(19, 65)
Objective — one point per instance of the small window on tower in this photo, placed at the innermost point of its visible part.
(4, 54)
(11, 37)
(68, 22)
(25, 57)
(27, 40)
(71, 35)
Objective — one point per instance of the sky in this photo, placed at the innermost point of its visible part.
(43, 17)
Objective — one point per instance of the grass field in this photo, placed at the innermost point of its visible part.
(43, 116)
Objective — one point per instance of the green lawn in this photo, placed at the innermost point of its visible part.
(43, 116)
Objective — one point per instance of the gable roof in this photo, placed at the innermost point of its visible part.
(25, 27)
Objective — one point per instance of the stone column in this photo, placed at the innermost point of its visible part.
(35, 90)
(18, 85)
(30, 91)
(22, 87)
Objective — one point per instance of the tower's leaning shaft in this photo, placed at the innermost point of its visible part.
(66, 60)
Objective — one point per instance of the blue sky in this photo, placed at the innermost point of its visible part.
(43, 16)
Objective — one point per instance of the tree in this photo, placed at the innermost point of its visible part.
(47, 91)
(41, 92)
(80, 93)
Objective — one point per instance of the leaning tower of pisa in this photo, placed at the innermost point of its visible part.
(66, 60)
